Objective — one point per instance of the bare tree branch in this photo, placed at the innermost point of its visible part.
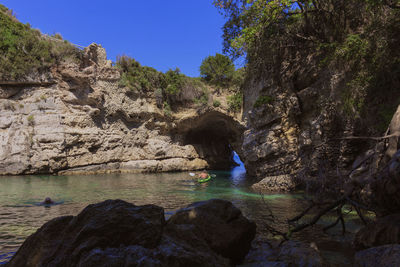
(395, 134)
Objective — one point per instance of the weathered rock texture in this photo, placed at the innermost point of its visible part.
(302, 127)
(275, 184)
(81, 121)
(117, 233)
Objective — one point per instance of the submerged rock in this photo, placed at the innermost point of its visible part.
(117, 233)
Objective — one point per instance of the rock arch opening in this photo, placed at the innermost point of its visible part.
(215, 136)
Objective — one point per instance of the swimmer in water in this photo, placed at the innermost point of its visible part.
(203, 174)
(47, 201)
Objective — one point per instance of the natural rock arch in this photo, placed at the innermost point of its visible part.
(214, 134)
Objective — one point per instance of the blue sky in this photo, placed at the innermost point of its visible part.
(158, 33)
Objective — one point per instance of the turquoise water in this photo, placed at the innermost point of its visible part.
(20, 214)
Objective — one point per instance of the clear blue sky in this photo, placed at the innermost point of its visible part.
(158, 33)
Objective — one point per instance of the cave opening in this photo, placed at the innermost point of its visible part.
(217, 139)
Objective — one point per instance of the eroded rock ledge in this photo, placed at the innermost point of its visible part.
(78, 119)
(117, 233)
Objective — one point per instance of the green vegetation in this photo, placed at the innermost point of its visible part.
(238, 79)
(171, 89)
(31, 120)
(263, 100)
(235, 102)
(167, 109)
(137, 77)
(359, 37)
(24, 50)
(216, 103)
(202, 100)
(217, 70)
(174, 81)
(354, 48)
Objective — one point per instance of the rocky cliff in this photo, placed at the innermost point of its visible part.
(77, 118)
(315, 85)
(302, 130)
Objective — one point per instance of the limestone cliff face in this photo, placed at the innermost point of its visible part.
(301, 130)
(79, 120)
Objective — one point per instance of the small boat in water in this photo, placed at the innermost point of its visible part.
(209, 177)
(203, 180)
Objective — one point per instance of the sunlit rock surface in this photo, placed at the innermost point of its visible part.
(279, 183)
(81, 121)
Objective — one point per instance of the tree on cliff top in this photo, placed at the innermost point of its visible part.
(217, 70)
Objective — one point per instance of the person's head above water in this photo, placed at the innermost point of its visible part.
(48, 200)
(203, 174)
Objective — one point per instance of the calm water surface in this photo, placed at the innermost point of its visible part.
(20, 215)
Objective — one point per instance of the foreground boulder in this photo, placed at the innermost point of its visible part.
(221, 224)
(117, 233)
